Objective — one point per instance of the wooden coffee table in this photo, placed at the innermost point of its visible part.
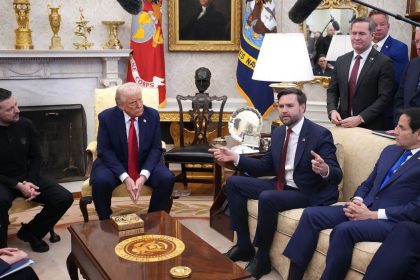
(93, 244)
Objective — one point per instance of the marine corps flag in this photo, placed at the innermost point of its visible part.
(259, 18)
(147, 65)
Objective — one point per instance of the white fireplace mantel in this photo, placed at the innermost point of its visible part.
(47, 64)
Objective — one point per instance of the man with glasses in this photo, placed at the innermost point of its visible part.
(408, 94)
(130, 152)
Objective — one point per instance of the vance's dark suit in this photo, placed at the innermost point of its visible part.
(399, 197)
(408, 95)
(374, 89)
(20, 160)
(113, 159)
(399, 255)
(313, 189)
(398, 52)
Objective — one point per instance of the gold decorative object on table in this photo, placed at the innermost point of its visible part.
(129, 224)
(129, 221)
(23, 32)
(149, 248)
(55, 20)
(82, 30)
(113, 41)
(180, 272)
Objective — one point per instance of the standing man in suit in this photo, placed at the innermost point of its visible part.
(393, 48)
(408, 94)
(384, 43)
(399, 255)
(302, 157)
(20, 167)
(130, 152)
(362, 84)
(389, 195)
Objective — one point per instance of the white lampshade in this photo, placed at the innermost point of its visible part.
(340, 44)
(283, 57)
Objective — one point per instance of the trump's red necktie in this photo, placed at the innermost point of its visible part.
(133, 151)
(353, 81)
(282, 167)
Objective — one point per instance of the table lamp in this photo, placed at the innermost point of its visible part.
(340, 44)
(283, 60)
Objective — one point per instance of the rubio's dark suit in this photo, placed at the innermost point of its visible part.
(400, 197)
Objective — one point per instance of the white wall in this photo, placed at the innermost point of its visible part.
(180, 66)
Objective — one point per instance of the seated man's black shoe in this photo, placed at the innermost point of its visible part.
(257, 269)
(237, 254)
(37, 244)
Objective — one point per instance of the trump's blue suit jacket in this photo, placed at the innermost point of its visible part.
(314, 137)
(113, 144)
(398, 52)
(400, 197)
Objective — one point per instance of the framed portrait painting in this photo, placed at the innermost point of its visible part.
(413, 8)
(204, 25)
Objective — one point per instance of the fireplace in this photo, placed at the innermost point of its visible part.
(62, 135)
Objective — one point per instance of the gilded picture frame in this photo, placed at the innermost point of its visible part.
(413, 7)
(217, 29)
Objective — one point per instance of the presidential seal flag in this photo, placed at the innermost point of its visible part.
(147, 64)
(259, 19)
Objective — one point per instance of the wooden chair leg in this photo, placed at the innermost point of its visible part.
(169, 206)
(84, 201)
(54, 237)
(184, 176)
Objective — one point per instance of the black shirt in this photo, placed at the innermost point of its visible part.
(20, 153)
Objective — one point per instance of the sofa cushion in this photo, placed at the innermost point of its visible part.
(288, 221)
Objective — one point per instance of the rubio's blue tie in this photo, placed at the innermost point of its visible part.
(394, 168)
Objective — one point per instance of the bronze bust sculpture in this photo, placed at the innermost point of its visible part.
(202, 79)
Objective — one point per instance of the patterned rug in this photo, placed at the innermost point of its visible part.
(184, 207)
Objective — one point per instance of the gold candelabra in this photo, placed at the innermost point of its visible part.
(82, 30)
(113, 41)
(55, 21)
(23, 32)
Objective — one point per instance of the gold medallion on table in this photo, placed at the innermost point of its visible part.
(149, 248)
(180, 272)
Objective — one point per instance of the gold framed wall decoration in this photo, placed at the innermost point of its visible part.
(413, 8)
(193, 29)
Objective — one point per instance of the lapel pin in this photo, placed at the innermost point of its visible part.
(303, 139)
(372, 59)
(144, 120)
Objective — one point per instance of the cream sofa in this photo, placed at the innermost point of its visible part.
(358, 150)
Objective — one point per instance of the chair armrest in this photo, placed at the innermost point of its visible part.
(91, 154)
